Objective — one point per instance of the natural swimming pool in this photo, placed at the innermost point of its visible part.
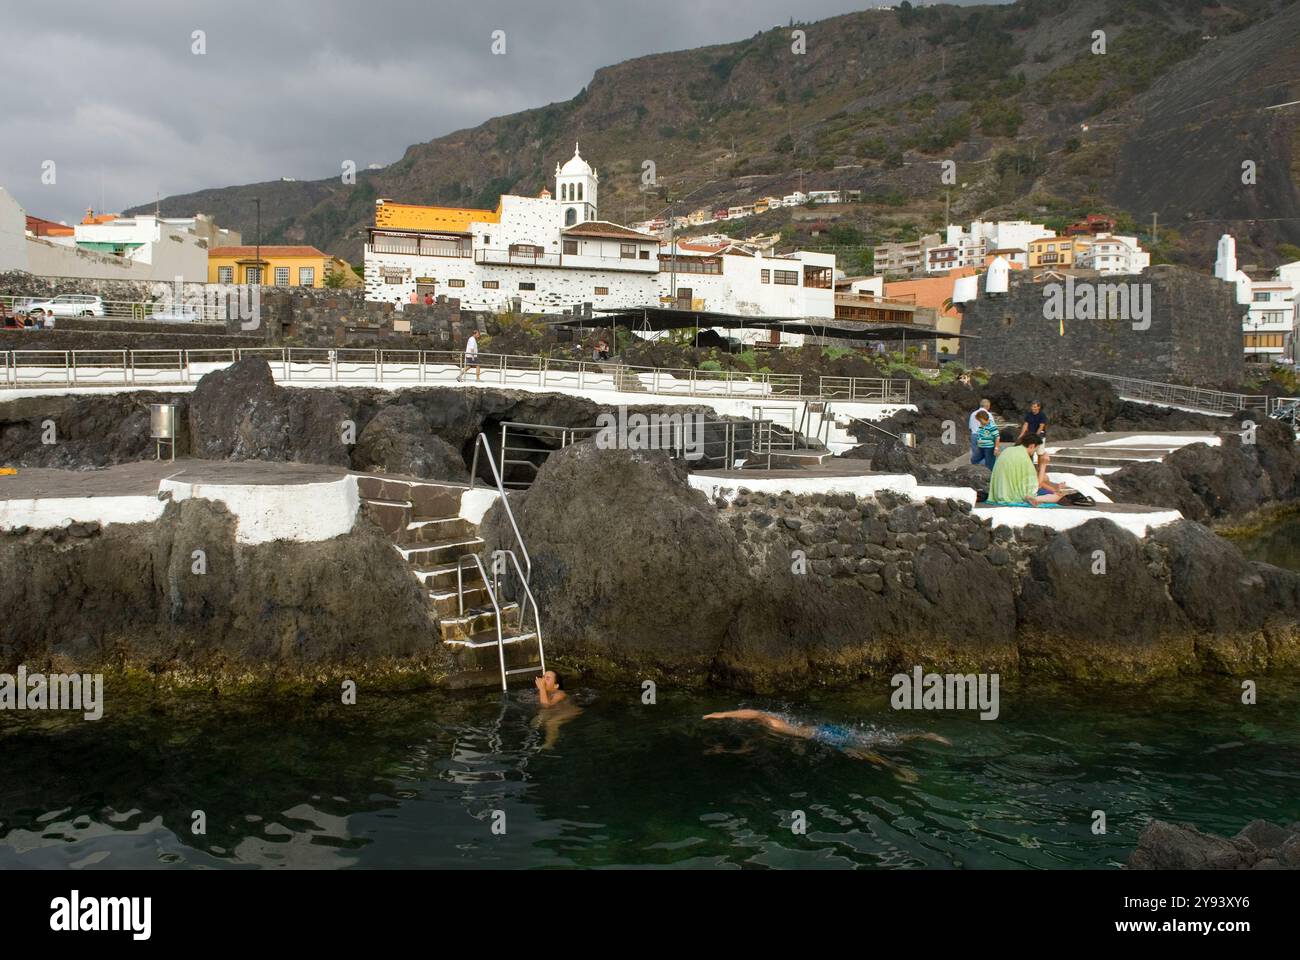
(414, 781)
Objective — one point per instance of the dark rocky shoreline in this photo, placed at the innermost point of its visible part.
(1259, 845)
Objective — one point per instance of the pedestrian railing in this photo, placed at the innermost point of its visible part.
(191, 312)
(25, 368)
(1177, 395)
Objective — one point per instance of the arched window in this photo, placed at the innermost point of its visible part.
(570, 217)
(579, 191)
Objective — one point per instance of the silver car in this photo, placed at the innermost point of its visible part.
(68, 305)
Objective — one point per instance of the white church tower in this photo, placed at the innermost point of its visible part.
(575, 187)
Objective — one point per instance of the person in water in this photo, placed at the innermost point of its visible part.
(848, 740)
(556, 707)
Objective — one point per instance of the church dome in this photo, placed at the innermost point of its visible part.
(576, 166)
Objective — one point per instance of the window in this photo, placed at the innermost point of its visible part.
(627, 251)
(1261, 297)
(645, 254)
(819, 277)
(281, 276)
(789, 278)
(491, 284)
(306, 276)
(570, 217)
(487, 241)
(526, 250)
(527, 286)
(709, 265)
(455, 283)
(253, 275)
(765, 276)
(225, 274)
(571, 247)
(579, 191)
(602, 291)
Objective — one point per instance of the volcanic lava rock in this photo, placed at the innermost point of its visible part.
(238, 413)
(1259, 846)
(398, 440)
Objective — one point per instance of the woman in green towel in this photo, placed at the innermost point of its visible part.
(1015, 479)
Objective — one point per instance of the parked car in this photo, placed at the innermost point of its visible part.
(178, 313)
(68, 305)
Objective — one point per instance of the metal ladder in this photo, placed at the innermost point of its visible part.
(493, 587)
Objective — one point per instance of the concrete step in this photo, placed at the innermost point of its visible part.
(392, 516)
(435, 531)
(447, 603)
(479, 621)
(487, 638)
(424, 556)
(799, 458)
(441, 578)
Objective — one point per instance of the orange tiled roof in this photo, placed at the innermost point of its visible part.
(268, 250)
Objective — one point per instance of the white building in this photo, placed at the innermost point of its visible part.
(824, 196)
(968, 247)
(1109, 253)
(552, 252)
(141, 248)
(796, 199)
(1269, 327)
(167, 250)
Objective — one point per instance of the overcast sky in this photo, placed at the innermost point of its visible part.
(112, 92)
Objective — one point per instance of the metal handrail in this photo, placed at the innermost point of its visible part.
(530, 599)
(323, 364)
(482, 441)
(460, 593)
(1178, 394)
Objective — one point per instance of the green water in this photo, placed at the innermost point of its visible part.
(413, 780)
(1279, 546)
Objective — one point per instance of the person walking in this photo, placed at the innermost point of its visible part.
(471, 359)
(988, 440)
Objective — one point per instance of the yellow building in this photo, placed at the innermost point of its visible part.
(1056, 251)
(278, 266)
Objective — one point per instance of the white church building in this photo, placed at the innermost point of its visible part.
(1269, 327)
(552, 252)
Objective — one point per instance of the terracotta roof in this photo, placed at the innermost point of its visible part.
(268, 250)
(48, 228)
(603, 228)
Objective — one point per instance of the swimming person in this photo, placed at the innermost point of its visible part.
(556, 707)
(848, 740)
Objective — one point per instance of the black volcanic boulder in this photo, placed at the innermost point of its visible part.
(238, 413)
(629, 562)
(1259, 845)
(1097, 588)
(1209, 483)
(88, 431)
(399, 440)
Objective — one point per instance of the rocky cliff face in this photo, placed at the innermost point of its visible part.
(637, 573)
(131, 597)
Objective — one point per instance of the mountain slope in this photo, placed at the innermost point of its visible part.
(878, 100)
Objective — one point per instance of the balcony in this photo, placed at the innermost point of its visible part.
(572, 261)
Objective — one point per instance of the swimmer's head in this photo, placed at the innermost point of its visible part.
(553, 680)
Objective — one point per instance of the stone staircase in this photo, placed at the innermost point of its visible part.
(424, 520)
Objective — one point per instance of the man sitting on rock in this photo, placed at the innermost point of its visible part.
(1015, 479)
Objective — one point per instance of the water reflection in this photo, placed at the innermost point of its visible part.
(419, 780)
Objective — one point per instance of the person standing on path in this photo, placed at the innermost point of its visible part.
(986, 406)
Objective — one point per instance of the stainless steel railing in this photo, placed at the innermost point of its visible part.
(1177, 395)
(482, 442)
(344, 364)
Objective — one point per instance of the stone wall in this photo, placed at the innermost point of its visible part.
(19, 283)
(1194, 334)
(342, 318)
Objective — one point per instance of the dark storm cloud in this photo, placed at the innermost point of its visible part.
(113, 94)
